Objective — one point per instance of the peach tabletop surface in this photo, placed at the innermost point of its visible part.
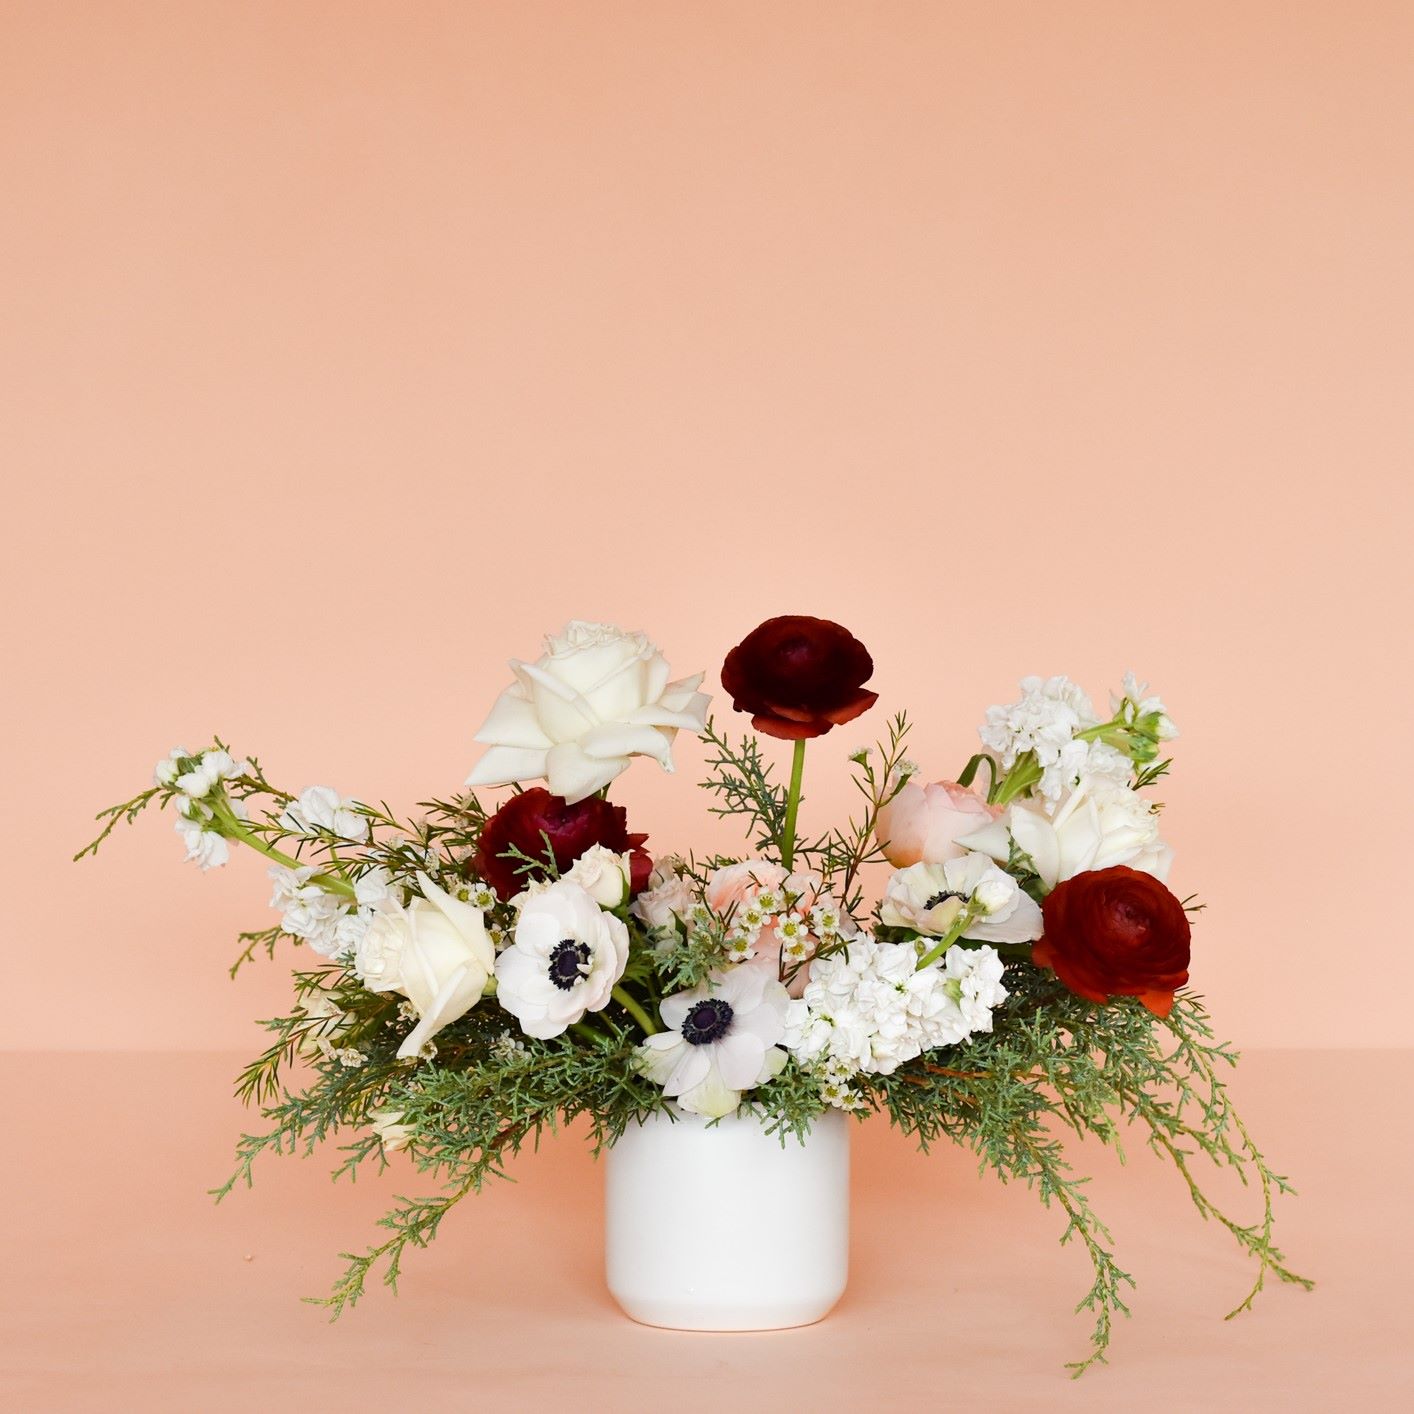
(126, 1290)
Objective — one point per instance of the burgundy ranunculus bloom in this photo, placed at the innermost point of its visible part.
(799, 676)
(526, 820)
(1116, 932)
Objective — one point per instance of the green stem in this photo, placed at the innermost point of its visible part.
(787, 841)
(947, 940)
(635, 1011)
(1025, 773)
(237, 830)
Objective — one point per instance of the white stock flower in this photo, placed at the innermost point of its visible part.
(1095, 826)
(167, 770)
(321, 809)
(374, 889)
(602, 874)
(721, 1039)
(1147, 708)
(435, 951)
(871, 1008)
(1045, 720)
(307, 911)
(209, 770)
(204, 847)
(973, 979)
(565, 959)
(576, 716)
(929, 898)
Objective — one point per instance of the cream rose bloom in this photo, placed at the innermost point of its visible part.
(667, 899)
(435, 951)
(603, 875)
(594, 699)
(1095, 826)
(922, 824)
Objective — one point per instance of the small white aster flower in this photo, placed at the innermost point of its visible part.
(507, 1046)
(794, 935)
(752, 918)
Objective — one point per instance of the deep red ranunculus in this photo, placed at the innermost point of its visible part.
(799, 676)
(1116, 932)
(526, 820)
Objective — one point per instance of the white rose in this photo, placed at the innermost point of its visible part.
(1095, 826)
(435, 951)
(596, 698)
(602, 874)
(567, 955)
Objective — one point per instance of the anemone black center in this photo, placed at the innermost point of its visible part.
(567, 963)
(706, 1021)
(943, 898)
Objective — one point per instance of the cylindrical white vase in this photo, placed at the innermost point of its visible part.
(722, 1227)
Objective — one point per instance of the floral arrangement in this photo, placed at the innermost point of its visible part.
(479, 975)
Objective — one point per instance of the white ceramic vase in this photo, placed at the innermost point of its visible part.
(721, 1227)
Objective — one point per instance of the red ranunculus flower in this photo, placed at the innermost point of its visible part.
(799, 676)
(1116, 932)
(526, 820)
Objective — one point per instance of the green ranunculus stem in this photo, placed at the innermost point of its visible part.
(635, 1011)
(787, 841)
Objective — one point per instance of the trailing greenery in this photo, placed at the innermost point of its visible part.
(481, 1092)
(1054, 1062)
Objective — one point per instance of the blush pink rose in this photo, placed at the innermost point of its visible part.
(922, 824)
(735, 886)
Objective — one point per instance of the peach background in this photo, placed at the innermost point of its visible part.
(348, 348)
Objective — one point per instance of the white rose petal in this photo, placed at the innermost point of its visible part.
(435, 951)
(576, 716)
(603, 875)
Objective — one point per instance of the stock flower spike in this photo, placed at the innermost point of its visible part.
(469, 979)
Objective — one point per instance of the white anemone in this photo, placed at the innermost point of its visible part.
(721, 1040)
(565, 959)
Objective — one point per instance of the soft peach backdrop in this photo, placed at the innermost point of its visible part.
(348, 348)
